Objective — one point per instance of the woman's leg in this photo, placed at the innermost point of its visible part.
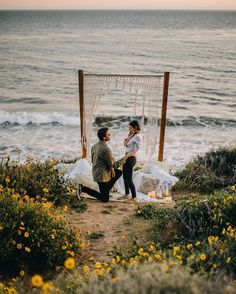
(128, 174)
(125, 177)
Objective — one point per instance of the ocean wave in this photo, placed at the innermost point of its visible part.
(187, 121)
(37, 118)
(11, 119)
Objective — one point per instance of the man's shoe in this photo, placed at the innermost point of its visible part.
(133, 199)
(124, 197)
(79, 191)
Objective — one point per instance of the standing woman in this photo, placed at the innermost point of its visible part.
(132, 144)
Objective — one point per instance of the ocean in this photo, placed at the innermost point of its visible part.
(41, 52)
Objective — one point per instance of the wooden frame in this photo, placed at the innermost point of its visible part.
(162, 123)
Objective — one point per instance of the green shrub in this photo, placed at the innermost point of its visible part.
(31, 237)
(205, 174)
(196, 227)
(36, 179)
(192, 219)
(147, 278)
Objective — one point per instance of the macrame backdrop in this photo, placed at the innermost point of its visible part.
(120, 98)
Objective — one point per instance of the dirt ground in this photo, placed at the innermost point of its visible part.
(115, 221)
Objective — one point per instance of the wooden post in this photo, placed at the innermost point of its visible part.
(163, 115)
(81, 105)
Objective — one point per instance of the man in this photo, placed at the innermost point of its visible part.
(104, 167)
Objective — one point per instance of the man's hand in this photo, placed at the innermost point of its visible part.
(113, 174)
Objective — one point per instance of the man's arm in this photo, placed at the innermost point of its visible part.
(121, 161)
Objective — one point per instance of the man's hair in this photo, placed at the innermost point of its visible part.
(102, 133)
(135, 124)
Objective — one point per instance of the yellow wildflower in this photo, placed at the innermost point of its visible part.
(116, 279)
(202, 256)
(228, 260)
(27, 249)
(140, 251)
(117, 258)
(26, 234)
(197, 243)
(7, 179)
(179, 257)
(47, 288)
(98, 264)
(22, 273)
(233, 188)
(37, 281)
(19, 246)
(151, 248)
(108, 269)
(132, 261)
(82, 245)
(69, 263)
(113, 261)
(214, 265)
(189, 246)
(229, 229)
(157, 256)
(45, 190)
(85, 269)
(11, 290)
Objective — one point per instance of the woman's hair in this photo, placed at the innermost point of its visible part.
(102, 133)
(135, 124)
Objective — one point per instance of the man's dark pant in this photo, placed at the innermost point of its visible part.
(104, 188)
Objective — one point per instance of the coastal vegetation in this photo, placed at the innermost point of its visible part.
(190, 247)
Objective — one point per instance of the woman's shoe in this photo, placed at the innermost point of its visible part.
(124, 197)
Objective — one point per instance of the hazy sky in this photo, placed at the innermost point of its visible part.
(118, 4)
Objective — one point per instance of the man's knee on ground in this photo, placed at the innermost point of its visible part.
(105, 199)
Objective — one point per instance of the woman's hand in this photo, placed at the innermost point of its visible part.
(130, 135)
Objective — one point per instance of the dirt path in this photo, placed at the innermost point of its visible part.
(115, 221)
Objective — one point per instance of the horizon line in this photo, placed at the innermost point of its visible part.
(116, 9)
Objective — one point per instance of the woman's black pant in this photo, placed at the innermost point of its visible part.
(128, 175)
(104, 188)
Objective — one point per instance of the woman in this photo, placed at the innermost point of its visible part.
(132, 144)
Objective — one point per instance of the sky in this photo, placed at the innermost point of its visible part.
(119, 4)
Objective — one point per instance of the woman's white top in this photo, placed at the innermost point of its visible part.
(134, 143)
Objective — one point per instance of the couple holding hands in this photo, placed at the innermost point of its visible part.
(106, 170)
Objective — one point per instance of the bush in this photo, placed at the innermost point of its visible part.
(205, 174)
(31, 237)
(192, 219)
(195, 227)
(36, 179)
(147, 278)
